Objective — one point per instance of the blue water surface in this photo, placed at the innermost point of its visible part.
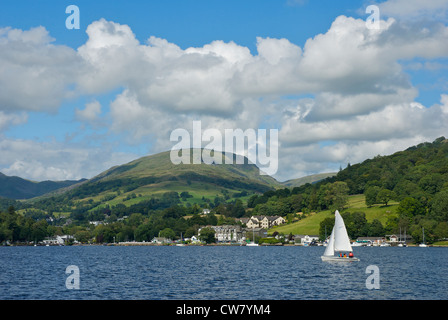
(220, 272)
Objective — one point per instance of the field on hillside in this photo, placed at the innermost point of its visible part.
(310, 225)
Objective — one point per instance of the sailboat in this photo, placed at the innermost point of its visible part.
(423, 244)
(181, 243)
(338, 242)
(252, 243)
(402, 243)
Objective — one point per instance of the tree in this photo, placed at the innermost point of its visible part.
(325, 228)
(143, 232)
(416, 230)
(39, 230)
(167, 233)
(376, 228)
(441, 231)
(338, 195)
(385, 195)
(431, 183)
(196, 219)
(191, 231)
(371, 194)
(296, 202)
(237, 209)
(135, 219)
(211, 219)
(355, 223)
(83, 236)
(126, 234)
(439, 206)
(333, 196)
(207, 235)
(410, 207)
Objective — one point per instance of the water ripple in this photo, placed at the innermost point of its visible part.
(278, 273)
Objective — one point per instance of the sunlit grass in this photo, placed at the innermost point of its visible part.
(311, 224)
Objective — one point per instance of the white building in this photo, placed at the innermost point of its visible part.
(264, 222)
(305, 240)
(227, 233)
(58, 240)
(160, 240)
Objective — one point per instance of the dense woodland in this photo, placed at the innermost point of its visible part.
(417, 178)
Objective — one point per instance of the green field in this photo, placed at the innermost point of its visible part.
(310, 225)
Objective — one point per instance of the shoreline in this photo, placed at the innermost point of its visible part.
(134, 243)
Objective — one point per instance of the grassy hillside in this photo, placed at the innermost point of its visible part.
(152, 196)
(155, 175)
(416, 178)
(308, 179)
(160, 166)
(310, 224)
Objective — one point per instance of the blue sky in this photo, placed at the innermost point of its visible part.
(186, 23)
(74, 105)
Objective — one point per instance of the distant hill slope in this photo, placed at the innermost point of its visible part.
(18, 188)
(308, 179)
(419, 171)
(156, 174)
(415, 182)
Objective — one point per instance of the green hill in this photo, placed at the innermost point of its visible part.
(405, 190)
(155, 175)
(311, 224)
(18, 188)
(151, 196)
(308, 179)
(419, 171)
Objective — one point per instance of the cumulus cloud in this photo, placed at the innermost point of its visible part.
(341, 96)
(7, 119)
(35, 75)
(397, 121)
(56, 161)
(411, 9)
(90, 113)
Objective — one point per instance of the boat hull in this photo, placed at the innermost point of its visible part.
(339, 259)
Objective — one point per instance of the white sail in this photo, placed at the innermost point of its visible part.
(329, 250)
(341, 240)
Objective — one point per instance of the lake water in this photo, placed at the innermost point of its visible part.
(218, 272)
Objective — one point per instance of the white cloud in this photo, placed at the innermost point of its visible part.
(34, 74)
(55, 161)
(7, 119)
(357, 92)
(90, 113)
(348, 63)
(393, 121)
(411, 9)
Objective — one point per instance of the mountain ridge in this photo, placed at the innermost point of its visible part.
(17, 188)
